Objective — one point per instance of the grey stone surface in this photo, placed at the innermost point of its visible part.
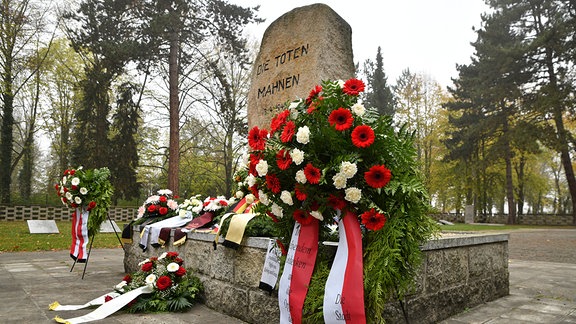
(107, 227)
(42, 226)
(298, 50)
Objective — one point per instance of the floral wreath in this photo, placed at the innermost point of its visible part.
(174, 289)
(87, 188)
(328, 154)
(157, 207)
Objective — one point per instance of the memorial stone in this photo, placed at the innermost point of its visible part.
(298, 50)
(42, 226)
(469, 214)
(109, 227)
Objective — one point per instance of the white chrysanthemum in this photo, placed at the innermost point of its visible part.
(151, 279)
(300, 176)
(142, 262)
(316, 214)
(353, 194)
(263, 198)
(239, 194)
(163, 255)
(303, 135)
(286, 197)
(68, 195)
(152, 199)
(75, 181)
(262, 167)
(250, 198)
(77, 200)
(165, 192)
(277, 210)
(297, 156)
(358, 109)
(83, 190)
(172, 204)
(341, 83)
(64, 178)
(120, 285)
(348, 169)
(172, 267)
(250, 180)
(339, 180)
(197, 209)
(141, 211)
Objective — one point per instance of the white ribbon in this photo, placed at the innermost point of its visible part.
(55, 306)
(108, 308)
(271, 267)
(285, 280)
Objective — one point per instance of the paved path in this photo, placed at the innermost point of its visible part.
(542, 281)
(542, 286)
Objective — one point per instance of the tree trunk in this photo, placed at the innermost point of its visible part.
(509, 184)
(561, 134)
(174, 146)
(6, 138)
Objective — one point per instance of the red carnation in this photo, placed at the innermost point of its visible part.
(363, 136)
(353, 87)
(283, 159)
(108, 298)
(300, 193)
(180, 272)
(146, 267)
(288, 132)
(163, 211)
(163, 199)
(72, 172)
(312, 173)
(378, 176)
(127, 278)
(373, 220)
(341, 118)
(273, 183)
(163, 283)
(91, 205)
(313, 93)
(74, 205)
(302, 217)
(257, 138)
(151, 208)
(278, 121)
(179, 261)
(57, 187)
(73, 187)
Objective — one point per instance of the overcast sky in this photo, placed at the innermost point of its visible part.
(427, 36)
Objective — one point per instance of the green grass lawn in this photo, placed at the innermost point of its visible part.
(16, 237)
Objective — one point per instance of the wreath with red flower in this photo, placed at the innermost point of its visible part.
(174, 288)
(326, 154)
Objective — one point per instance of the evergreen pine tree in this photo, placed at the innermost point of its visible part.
(379, 95)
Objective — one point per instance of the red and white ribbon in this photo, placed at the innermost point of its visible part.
(344, 292)
(79, 235)
(297, 272)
